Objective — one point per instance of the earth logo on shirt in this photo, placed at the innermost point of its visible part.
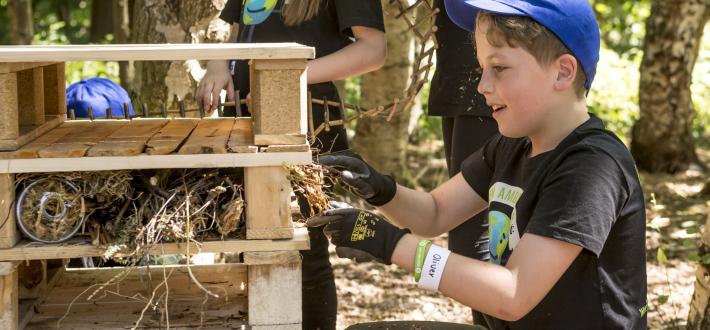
(499, 233)
(257, 11)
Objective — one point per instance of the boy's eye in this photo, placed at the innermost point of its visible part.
(498, 68)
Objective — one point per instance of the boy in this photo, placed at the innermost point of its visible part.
(566, 212)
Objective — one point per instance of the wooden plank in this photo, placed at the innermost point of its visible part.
(271, 258)
(278, 99)
(8, 298)
(9, 121)
(158, 52)
(275, 291)
(9, 67)
(28, 134)
(154, 162)
(55, 95)
(8, 228)
(27, 250)
(209, 137)
(129, 140)
(53, 136)
(287, 148)
(267, 192)
(30, 96)
(241, 139)
(278, 139)
(171, 136)
(77, 142)
(120, 305)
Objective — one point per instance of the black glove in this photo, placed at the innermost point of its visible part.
(363, 180)
(358, 234)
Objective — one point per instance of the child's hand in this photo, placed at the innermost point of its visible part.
(358, 234)
(363, 180)
(213, 82)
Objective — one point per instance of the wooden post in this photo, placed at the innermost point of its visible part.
(268, 196)
(278, 95)
(274, 285)
(55, 94)
(30, 96)
(8, 297)
(9, 122)
(8, 228)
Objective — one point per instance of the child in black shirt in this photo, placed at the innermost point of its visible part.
(349, 40)
(565, 207)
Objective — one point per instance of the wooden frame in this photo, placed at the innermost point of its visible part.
(32, 123)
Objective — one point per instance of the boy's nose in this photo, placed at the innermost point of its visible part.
(484, 85)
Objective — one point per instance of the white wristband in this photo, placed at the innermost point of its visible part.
(433, 267)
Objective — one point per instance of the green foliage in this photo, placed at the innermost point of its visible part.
(622, 24)
(61, 22)
(614, 94)
(701, 92)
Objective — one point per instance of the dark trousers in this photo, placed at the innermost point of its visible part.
(320, 302)
(464, 135)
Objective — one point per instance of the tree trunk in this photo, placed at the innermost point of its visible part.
(699, 314)
(382, 143)
(160, 21)
(121, 33)
(662, 140)
(101, 20)
(20, 14)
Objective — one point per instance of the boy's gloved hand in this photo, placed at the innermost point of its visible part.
(361, 178)
(358, 234)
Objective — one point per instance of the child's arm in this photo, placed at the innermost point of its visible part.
(216, 78)
(435, 213)
(509, 292)
(366, 54)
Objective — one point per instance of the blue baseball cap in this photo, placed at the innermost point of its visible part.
(99, 94)
(572, 21)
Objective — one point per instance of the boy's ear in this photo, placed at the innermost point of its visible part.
(566, 66)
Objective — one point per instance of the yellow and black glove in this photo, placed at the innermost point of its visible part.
(363, 180)
(358, 234)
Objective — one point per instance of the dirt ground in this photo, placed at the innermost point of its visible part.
(676, 215)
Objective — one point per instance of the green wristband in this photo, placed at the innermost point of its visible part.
(419, 257)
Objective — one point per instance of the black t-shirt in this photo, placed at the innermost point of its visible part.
(586, 192)
(453, 87)
(327, 32)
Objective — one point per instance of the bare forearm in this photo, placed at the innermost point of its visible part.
(355, 59)
(415, 210)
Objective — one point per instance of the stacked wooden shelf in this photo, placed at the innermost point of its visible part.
(261, 292)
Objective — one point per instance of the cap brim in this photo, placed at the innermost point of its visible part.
(463, 12)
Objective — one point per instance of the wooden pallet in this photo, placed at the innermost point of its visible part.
(263, 291)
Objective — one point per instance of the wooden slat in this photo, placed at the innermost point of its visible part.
(28, 134)
(154, 162)
(287, 148)
(275, 290)
(8, 228)
(161, 52)
(77, 142)
(8, 296)
(55, 95)
(30, 90)
(129, 140)
(278, 139)
(9, 121)
(8, 67)
(268, 196)
(187, 304)
(209, 137)
(53, 136)
(26, 250)
(169, 138)
(241, 139)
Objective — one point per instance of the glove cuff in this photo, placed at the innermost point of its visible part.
(392, 243)
(389, 189)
